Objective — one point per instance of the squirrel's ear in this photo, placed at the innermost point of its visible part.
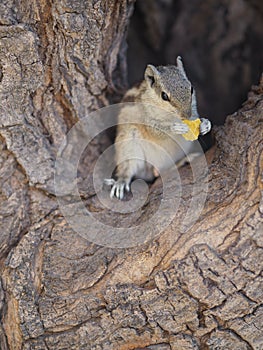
(151, 74)
(180, 65)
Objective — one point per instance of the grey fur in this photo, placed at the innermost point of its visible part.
(173, 81)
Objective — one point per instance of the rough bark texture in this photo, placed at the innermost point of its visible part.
(201, 289)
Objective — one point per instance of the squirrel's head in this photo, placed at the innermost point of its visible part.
(169, 88)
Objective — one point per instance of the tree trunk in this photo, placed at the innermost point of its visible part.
(194, 288)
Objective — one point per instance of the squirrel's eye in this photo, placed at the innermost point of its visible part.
(165, 96)
(192, 90)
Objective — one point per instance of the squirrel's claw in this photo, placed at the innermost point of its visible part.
(180, 128)
(109, 182)
(118, 188)
(205, 126)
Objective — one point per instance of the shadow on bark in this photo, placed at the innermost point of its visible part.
(201, 289)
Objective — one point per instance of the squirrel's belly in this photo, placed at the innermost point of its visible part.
(163, 155)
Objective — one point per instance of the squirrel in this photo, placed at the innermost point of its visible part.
(168, 89)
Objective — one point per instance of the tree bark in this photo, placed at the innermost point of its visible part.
(197, 289)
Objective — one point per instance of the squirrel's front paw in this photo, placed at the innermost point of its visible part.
(205, 126)
(180, 128)
(118, 187)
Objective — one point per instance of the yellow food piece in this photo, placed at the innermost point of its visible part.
(194, 129)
